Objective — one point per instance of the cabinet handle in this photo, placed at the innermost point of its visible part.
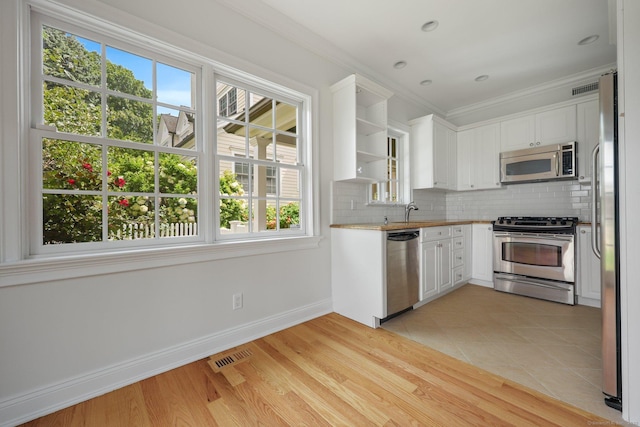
(531, 144)
(538, 143)
(583, 232)
(471, 185)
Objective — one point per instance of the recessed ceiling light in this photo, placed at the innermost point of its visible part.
(426, 82)
(400, 64)
(481, 78)
(430, 26)
(588, 40)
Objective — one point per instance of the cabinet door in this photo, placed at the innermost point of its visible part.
(482, 258)
(440, 156)
(466, 162)
(518, 133)
(487, 157)
(588, 136)
(588, 267)
(445, 265)
(468, 251)
(556, 126)
(429, 266)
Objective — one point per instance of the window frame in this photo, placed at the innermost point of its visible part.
(19, 266)
(403, 172)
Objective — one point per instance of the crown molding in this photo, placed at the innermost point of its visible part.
(578, 78)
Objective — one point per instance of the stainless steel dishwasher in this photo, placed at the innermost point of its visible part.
(403, 271)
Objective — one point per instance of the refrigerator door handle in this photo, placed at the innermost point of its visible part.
(594, 201)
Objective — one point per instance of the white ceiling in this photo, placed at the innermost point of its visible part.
(519, 44)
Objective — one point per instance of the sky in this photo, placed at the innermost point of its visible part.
(173, 84)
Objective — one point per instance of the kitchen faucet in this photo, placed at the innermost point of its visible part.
(407, 210)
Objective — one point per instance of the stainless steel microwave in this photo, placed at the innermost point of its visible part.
(544, 163)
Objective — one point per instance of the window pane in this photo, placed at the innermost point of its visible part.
(129, 120)
(290, 215)
(230, 101)
(262, 182)
(261, 145)
(71, 218)
(67, 56)
(289, 183)
(178, 174)
(286, 117)
(176, 128)
(261, 112)
(375, 193)
(131, 218)
(72, 110)
(178, 217)
(263, 214)
(129, 73)
(175, 86)
(131, 170)
(287, 148)
(231, 140)
(71, 165)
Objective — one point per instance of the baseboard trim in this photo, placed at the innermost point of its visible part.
(45, 400)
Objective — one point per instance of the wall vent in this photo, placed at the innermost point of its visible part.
(584, 89)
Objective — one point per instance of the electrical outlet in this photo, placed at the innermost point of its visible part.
(237, 301)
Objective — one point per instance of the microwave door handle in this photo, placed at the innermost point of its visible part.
(557, 160)
(594, 200)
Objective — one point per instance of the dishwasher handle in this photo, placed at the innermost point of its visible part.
(403, 236)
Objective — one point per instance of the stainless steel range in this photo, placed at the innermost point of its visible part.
(535, 257)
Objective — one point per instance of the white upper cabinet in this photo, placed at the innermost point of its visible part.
(359, 130)
(479, 158)
(433, 153)
(548, 127)
(588, 137)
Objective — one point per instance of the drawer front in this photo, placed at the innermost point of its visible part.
(458, 275)
(458, 258)
(434, 233)
(458, 243)
(457, 230)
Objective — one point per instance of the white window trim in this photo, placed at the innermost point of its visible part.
(18, 267)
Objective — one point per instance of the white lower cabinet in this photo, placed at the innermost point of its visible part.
(588, 270)
(482, 262)
(445, 259)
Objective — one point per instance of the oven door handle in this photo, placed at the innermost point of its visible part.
(561, 238)
(594, 200)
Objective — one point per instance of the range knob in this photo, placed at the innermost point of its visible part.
(508, 221)
(554, 222)
(563, 222)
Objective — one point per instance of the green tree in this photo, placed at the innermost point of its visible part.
(231, 209)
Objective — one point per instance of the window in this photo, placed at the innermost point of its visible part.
(227, 102)
(120, 157)
(262, 193)
(391, 189)
(243, 170)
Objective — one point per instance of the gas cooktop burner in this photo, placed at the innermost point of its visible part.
(535, 224)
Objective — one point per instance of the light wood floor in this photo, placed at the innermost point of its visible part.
(328, 371)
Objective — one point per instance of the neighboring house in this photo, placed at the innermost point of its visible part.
(177, 131)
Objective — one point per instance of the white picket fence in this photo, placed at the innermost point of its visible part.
(146, 231)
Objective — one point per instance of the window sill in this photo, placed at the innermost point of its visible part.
(71, 267)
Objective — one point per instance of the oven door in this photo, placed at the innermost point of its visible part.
(546, 256)
(530, 167)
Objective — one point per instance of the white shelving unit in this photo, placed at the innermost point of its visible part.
(359, 129)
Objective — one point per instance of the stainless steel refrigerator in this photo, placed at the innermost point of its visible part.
(605, 241)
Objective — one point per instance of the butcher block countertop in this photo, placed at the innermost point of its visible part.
(407, 225)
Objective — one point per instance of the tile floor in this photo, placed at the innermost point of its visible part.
(550, 347)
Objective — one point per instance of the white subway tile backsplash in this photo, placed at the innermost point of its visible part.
(561, 198)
